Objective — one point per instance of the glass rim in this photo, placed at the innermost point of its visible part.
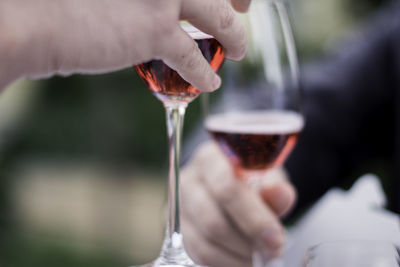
(193, 31)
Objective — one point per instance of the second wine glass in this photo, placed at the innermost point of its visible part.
(257, 120)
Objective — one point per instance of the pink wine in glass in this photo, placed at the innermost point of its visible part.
(167, 84)
(256, 141)
(175, 93)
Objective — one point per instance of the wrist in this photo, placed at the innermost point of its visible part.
(26, 43)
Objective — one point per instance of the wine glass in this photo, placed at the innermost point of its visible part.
(175, 94)
(353, 254)
(257, 120)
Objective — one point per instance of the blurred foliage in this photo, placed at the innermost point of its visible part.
(320, 26)
(111, 118)
(107, 118)
(28, 250)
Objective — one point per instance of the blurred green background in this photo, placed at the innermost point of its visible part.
(83, 158)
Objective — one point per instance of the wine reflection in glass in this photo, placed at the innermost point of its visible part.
(258, 120)
(175, 94)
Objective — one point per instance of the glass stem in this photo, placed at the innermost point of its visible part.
(173, 244)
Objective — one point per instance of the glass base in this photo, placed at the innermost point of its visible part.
(161, 262)
(172, 254)
(158, 264)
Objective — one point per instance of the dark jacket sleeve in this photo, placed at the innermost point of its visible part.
(350, 110)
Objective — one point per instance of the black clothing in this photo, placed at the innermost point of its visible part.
(352, 111)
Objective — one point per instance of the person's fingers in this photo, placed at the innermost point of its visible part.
(241, 5)
(209, 152)
(277, 191)
(225, 25)
(246, 208)
(201, 210)
(280, 197)
(204, 252)
(183, 55)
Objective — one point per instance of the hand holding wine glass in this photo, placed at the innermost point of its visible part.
(235, 217)
(90, 36)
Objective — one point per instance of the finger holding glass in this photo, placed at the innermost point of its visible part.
(222, 219)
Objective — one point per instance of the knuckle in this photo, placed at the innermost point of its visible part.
(225, 189)
(227, 15)
(240, 45)
(214, 228)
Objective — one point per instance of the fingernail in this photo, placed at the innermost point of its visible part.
(216, 82)
(272, 237)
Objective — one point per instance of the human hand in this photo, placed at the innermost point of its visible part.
(44, 37)
(223, 220)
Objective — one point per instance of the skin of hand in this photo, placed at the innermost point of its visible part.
(44, 37)
(223, 219)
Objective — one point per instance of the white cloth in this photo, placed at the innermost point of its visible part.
(356, 214)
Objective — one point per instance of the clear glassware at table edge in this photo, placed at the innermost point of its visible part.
(353, 253)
